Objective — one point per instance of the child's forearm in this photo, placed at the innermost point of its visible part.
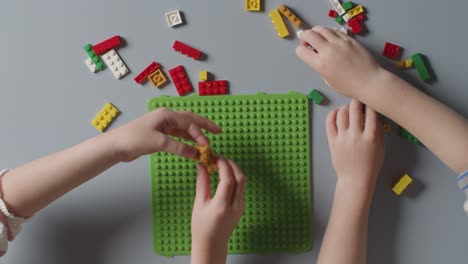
(441, 129)
(345, 239)
(34, 185)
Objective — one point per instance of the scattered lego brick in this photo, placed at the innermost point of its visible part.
(142, 76)
(345, 18)
(278, 22)
(203, 75)
(401, 64)
(409, 64)
(391, 50)
(299, 33)
(253, 5)
(92, 67)
(421, 68)
(180, 79)
(332, 13)
(402, 184)
(338, 7)
(115, 63)
(186, 50)
(347, 5)
(105, 117)
(355, 11)
(386, 128)
(339, 20)
(157, 78)
(174, 18)
(290, 15)
(106, 45)
(213, 87)
(315, 96)
(207, 158)
(344, 30)
(355, 25)
(408, 136)
(361, 17)
(95, 58)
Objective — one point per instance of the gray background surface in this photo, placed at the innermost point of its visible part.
(48, 96)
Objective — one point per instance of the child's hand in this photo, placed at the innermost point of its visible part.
(151, 133)
(356, 145)
(214, 218)
(344, 64)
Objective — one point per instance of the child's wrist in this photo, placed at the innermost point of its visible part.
(208, 252)
(360, 186)
(373, 84)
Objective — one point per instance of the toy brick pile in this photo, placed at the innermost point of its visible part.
(348, 13)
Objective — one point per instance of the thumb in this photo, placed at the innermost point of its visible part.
(203, 192)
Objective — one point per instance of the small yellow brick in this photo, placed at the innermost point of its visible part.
(278, 22)
(290, 16)
(355, 11)
(401, 185)
(253, 5)
(157, 78)
(103, 119)
(409, 63)
(203, 75)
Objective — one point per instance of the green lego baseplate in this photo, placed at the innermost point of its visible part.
(268, 137)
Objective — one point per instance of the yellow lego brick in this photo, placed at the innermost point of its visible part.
(278, 22)
(157, 78)
(206, 157)
(290, 16)
(253, 5)
(105, 117)
(355, 11)
(401, 185)
(409, 63)
(203, 75)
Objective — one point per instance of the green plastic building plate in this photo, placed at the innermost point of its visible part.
(268, 137)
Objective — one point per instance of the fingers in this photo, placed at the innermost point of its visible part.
(226, 183)
(355, 115)
(195, 132)
(342, 120)
(238, 193)
(203, 192)
(329, 34)
(173, 146)
(332, 130)
(308, 56)
(371, 124)
(314, 38)
(202, 122)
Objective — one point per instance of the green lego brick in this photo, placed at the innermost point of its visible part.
(339, 20)
(420, 66)
(95, 58)
(315, 96)
(268, 137)
(407, 135)
(347, 5)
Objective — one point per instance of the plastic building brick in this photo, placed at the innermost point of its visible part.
(157, 78)
(95, 58)
(401, 64)
(361, 17)
(386, 128)
(315, 96)
(290, 15)
(213, 87)
(420, 66)
(105, 117)
(347, 5)
(207, 158)
(332, 13)
(142, 76)
(180, 79)
(186, 50)
(338, 7)
(174, 18)
(391, 50)
(339, 20)
(299, 33)
(115, 63)
(253, 5)
(355, 11)
(106, 45)
(278, 22)
(345, 18)
(408, 136)
(344, 30)
(355, 25)
(268, 137)
(409, 63)
(402, 184)
(462, 182)
(203, 76)
(92, 67)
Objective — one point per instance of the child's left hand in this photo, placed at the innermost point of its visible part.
(152, 133)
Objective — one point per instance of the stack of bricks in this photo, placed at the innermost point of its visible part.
(154, 74)
(348, 13)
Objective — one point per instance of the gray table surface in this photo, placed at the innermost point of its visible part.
(48, 96)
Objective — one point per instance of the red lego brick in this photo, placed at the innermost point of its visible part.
(106, 45)
(186, 50)
(355, 25)
(180, 79)
(391, 50)
(332, 13)
(213, 87)
(142, 77)
(361, 17)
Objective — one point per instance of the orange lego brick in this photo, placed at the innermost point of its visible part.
(157, 78)
(290, 15)
(207, 158)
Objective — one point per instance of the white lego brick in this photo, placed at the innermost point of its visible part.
(92, 67)
(345, 30)
(298, 33)
(174, 18)
(346, 17)
(115, 63)
(338, 7)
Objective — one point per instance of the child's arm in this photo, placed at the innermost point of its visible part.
(357, 150)
(349, 68)
(214, 218)
(33, 186)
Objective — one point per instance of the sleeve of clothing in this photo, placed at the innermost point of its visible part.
(462, 182)
(10, 226)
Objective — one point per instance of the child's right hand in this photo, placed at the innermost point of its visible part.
(356, 145)
(342, 61)
(214, 218)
